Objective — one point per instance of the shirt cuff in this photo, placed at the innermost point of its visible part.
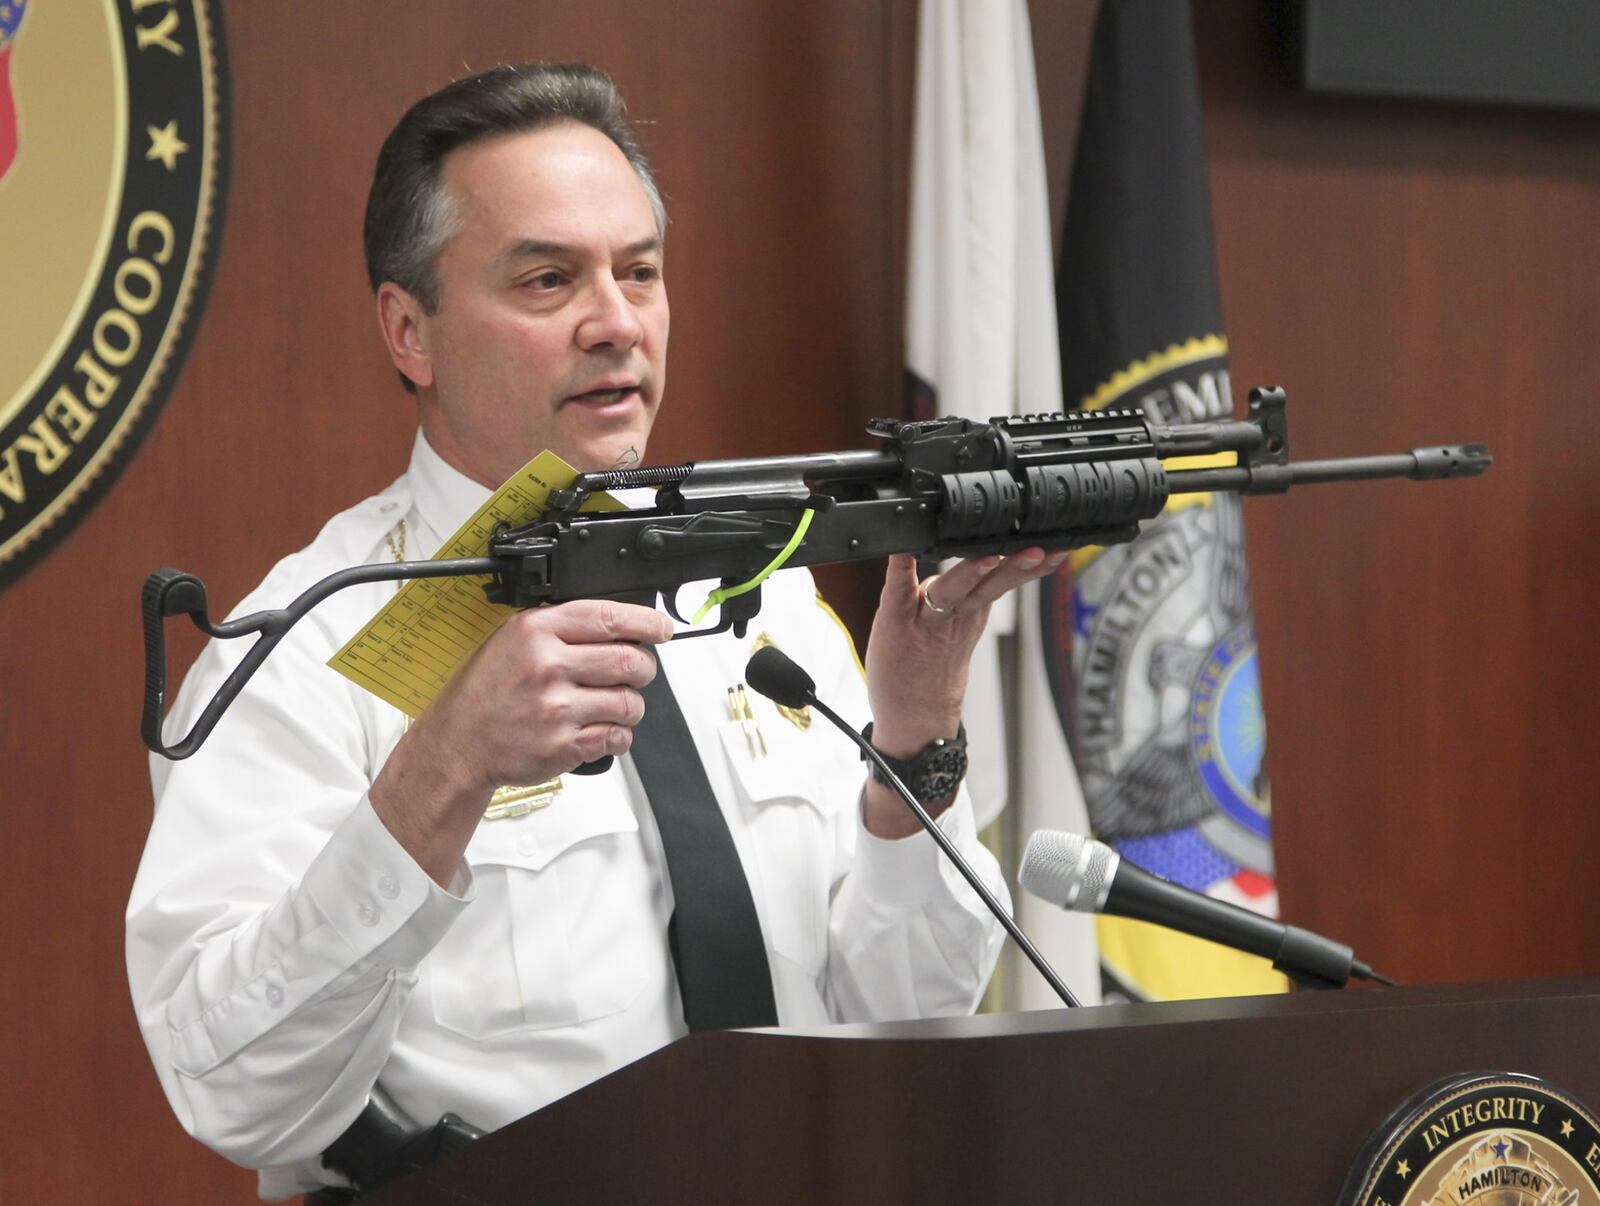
(362, 904)
(372, 892)
(907, 872)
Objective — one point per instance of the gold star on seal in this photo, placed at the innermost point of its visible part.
(1566, 1129)
(1403, 1169)
(165, 145)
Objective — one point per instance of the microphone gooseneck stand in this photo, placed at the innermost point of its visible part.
(775, 675)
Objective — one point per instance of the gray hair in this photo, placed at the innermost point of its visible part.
(411, 216)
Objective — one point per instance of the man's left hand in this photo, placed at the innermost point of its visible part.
(919, 653)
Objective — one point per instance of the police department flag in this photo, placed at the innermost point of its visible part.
(1150, 646)
(981, 342)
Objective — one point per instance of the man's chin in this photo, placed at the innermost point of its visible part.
(605, 436)
(597, 456)
(596, 451)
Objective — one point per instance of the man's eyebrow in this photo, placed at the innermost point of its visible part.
(524, 248)
(643, 246)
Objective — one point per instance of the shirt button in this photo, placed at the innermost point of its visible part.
(526, 844)
(274, 995)
(367, 913)
(387, 888)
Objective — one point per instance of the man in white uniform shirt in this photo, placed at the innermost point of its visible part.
(323, 905)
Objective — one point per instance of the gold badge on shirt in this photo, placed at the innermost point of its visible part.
(508, 802)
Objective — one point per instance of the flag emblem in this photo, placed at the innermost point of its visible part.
(1151, 646)
(1165, 696)
(1227, 736)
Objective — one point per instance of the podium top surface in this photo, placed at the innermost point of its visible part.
(1215, 1009)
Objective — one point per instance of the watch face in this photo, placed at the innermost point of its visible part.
(934, 773)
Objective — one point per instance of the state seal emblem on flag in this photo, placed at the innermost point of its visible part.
(111, 171)
(1156, 678)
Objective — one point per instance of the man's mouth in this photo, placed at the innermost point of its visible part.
(606, 396)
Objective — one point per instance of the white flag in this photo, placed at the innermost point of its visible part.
(981, 342)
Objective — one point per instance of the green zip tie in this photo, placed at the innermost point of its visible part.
(723, 593)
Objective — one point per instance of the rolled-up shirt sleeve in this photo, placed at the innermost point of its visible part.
(275, 926)
(907, 935)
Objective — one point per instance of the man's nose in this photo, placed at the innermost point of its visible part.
(611, 319)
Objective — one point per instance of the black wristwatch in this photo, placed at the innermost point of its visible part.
(934, 772)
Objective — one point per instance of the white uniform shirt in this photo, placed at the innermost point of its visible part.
(284, 950)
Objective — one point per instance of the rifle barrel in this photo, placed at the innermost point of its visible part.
(1420, 464)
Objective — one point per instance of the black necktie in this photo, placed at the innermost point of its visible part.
(714, 934)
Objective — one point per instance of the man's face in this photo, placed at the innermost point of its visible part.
(551, 328)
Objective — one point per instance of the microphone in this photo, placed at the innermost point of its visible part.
(773, 673)
(779, 677)
(1077, 873)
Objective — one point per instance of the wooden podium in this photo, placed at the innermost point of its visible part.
(1246, 1100)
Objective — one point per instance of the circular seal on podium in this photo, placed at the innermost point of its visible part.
(1485, 1139)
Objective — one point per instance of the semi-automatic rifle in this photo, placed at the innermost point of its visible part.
(937, 488)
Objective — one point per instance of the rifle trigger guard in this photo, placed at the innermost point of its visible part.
(733, 613)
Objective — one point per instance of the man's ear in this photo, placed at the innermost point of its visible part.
(402, 320)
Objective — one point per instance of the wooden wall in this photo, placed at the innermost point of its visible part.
(1419, 274)
(1409, 273)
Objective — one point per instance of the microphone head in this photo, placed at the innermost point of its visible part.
(1068, 870)
(774, 674)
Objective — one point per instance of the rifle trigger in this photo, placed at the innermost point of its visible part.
(669, 600)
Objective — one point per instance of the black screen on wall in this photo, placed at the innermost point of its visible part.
(1526, 52)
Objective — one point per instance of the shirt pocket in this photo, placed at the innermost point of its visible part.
(553, 937)
(789, 831)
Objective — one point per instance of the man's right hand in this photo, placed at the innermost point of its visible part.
(551, 689)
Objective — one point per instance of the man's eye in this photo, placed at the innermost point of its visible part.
(544, 281)
(644, 273)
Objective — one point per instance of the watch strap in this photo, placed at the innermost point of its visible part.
(933, 772)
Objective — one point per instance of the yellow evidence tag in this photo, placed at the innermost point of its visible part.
(408, 651)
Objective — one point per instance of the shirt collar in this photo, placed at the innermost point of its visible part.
(445, 497)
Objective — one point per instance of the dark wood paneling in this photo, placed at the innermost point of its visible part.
(1413, 274)
(1418, 274)
(1410, 273)
(769, 127)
